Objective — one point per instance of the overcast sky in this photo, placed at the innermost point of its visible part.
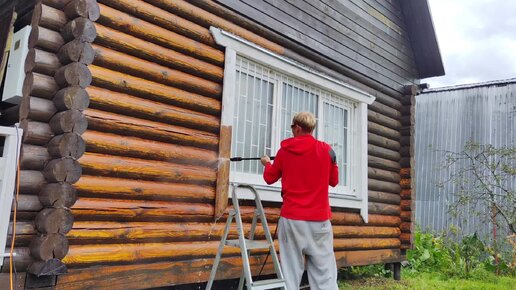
(477, 39)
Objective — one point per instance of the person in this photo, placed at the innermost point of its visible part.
(306, 167)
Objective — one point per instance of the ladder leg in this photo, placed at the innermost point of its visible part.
(241, 238)
(219, 252)
(251, 237)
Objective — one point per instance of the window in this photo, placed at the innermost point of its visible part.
(263, 91)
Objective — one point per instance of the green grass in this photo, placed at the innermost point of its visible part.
(430, 281)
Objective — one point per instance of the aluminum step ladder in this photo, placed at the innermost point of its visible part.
(246, 245)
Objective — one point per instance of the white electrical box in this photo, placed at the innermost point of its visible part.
(15, 73)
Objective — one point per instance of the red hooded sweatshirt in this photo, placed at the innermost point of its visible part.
(306, 167)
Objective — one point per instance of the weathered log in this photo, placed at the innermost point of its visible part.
(383, 142)
(48, 17)
(54, 221)
(10, 115)
(58, 195)
(384, 175)
(52, 267)
(58, 4)
(406, 194)
(407, 151)
(384, 186)
(405, 172)
(46, 39)
(158, 35)
(381, 163)
(405, 161)
(369, 243)
(133, 106)
(33, 157)
(112, 144)
(37, 109)
(405, 140)
(108, 122)
(383, 120)
(406, 183)
(80, 29)
(82, 8)
(46, 247)
(62, 170)
(386, 110)
(25, 232)
(141, 169)
(406, 227)
(67, 145)
(72, 98)
(157, 54)
(28, 203)
(21, 261)
(141, 189)
(36, 133)
(41, 61)
(155, 91)
(406, 205)
(381, 152)
(406, 216)
(354, 219)
(384, 197)
(207, 19)
(31, 181)
(164, 19)
(383, 131)
(76, 51)
(383, 208)
(39, 85)
(69, 121)
(73, 74)
(114, 60)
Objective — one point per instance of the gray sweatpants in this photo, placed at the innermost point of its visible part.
(311, 240)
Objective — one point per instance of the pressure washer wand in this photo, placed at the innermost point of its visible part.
(247, 158)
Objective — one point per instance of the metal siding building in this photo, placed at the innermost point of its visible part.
(446, 119)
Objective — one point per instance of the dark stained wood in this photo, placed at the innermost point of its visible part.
(52, 267)
(58, 195)
(39, 85)
(31, 181)
(76, 51)
(41, 61)
(383, 120)
(67, 145)
(72, 98)
(37, 109)
(36, 133)
(73, 74)
(70, 121)
(33, 157)
(81, 29)
(46, 247)
(82, 8)
(383, 208)
(384, 197)
(28, 203)
(383, 131)
(54, 221)
(58, 4)
(62, 170)
(48, 17)
(381, 152)
(46, 39)
(384, 186)
(385, 164)
(384, 175)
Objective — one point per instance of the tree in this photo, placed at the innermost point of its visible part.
(484, 180)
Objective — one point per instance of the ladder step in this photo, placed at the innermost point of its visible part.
(268, 284)
(249, 244)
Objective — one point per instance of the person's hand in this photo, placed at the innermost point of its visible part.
(265, 159)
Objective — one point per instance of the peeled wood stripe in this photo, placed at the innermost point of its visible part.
(158, 92)
(156, 34)
(155, 53)
(115, 166)
(122, 62)
(101, 186)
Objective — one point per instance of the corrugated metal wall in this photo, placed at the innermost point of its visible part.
(445, 120)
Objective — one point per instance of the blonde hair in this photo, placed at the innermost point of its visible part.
(305, 120)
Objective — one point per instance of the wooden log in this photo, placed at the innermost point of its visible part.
(52, 267)
(76, 51)
(119, 124)
(46, 39)
(70, 121)
(62, 170)
(101, 186)
(405, 238)
(406, 151)
(58, 4)
(406, 183)
(381, 163)
(36, 133)
(405, 141)
(207, 19)
(384, 197)
(155, 91)
(406, 205)
(354, 219)
(383, 208)
(158, 35)
(163, 19)
(82, 8)
(69, 145)
(25, 231)
(406, 194)
(115, 166)
(42, 62)
(33, 157)
(73, 74)
(28, 203)
(362, 244)
(31, 181)
(381, 152)
(72, 98)
(112, 144)
(406, 227)
(383, 131)
(80, 29)
(54, 221)
(133, 106)
(384, 186)
(157, 54)
(39, 85)
(10, 115)
(121, 62)
(46, 247)
(405, 172)
(22, 261)
(37, 109)
(384, 175)
(383, 142)
(405, 161)
(48, 17)
(406, 216)
(383, 120)
(386, 110)
(58, 195)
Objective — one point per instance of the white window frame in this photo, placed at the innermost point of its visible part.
(234, 46)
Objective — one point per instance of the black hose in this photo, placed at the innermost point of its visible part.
(247, 158)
